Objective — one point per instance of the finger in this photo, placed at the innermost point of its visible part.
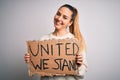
(79, 57)
(27, 54)
(79, 63)
(79, 60)
(27, 60)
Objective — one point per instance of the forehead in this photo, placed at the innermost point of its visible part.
(65, 11)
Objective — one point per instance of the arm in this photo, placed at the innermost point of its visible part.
(82, 61)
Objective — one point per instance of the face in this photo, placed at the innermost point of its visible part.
(62, 19)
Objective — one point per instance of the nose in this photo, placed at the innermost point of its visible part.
(60, 18)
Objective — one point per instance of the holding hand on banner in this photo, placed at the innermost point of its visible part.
(79, 59)
(27, 57)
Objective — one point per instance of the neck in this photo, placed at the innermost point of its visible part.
(59, 32)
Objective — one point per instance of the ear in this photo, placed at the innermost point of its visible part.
(70, 23)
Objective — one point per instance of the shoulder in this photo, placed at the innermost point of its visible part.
(70, 35)
(45, 37)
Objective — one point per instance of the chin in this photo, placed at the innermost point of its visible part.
(57, 27)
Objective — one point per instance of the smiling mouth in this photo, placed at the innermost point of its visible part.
(58, 22)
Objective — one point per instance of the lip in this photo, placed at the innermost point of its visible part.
(58, 22)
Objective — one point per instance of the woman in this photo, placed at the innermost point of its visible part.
(67, 17)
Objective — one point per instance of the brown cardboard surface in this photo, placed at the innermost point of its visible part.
(53, 57)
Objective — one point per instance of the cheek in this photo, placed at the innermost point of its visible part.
(66, 22)
(55, 17)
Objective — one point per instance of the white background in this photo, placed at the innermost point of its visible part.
(22, 20)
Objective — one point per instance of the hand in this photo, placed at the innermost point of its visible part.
(27, 57)
(79, 59)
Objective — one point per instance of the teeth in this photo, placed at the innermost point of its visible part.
(58, 23)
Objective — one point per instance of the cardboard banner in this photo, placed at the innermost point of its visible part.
(53, 57)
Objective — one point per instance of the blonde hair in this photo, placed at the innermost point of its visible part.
(74, 27)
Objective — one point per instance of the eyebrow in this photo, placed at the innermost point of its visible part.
(63, 14)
